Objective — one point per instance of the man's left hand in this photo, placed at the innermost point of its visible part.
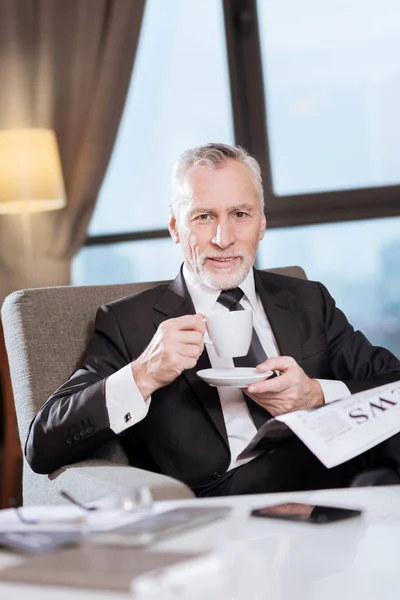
(292, 390)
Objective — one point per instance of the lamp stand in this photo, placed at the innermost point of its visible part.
(29, 260)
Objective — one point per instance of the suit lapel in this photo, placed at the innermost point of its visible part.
(176, 302)
(280, 315)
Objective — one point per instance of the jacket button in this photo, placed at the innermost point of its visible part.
(89, 430)
(77, 437)
(83, 433)
(216, 475)
(69, 440)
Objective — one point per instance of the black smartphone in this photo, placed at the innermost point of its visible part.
(307, 513)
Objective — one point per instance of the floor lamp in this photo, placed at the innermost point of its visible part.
(30, 181)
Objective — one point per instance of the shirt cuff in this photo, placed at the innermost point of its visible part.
(124, 402)
(333, 390)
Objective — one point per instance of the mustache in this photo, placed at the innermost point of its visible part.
(223, 255)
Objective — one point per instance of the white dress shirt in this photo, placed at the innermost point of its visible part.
(126, 405)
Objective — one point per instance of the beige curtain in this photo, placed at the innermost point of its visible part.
(64, 64)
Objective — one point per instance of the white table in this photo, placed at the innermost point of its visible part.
(358, 558)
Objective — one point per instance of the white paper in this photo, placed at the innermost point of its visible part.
(64, 517)
(341, 430)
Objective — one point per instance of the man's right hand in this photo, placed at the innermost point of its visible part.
(175, 347)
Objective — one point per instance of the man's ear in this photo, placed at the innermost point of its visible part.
(263, 226)
(173, 229)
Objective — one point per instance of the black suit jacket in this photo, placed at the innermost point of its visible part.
(183, 434)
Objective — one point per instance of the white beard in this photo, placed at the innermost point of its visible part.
(224, 280)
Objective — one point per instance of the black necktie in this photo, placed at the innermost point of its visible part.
(256, 354)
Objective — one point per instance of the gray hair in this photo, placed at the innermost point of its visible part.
(213, 156)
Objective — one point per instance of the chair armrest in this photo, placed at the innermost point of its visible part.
(91, 479)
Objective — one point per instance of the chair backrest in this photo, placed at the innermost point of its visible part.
(46, 331)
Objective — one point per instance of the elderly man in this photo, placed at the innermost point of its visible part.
(138, 378)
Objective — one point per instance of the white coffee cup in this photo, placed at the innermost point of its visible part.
(230, 332)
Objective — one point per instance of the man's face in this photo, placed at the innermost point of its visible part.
(220, 226)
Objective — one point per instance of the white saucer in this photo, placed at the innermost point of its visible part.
(233, 377)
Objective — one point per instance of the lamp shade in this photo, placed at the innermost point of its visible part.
(30, 171)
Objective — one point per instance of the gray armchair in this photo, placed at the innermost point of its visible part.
(46, 331)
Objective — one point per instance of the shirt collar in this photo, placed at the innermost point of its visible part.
(204, 297)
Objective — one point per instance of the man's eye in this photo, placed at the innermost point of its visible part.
(240, 214)
(204, 217)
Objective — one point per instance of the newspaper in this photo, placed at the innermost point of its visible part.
(338, 431)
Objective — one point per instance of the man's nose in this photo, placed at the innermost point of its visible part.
(223, 235)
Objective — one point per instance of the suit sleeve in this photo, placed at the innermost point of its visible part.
(353, 359)
(74, 421)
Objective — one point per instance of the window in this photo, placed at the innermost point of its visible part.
(147, 260)
(359, 264)
(332, 81)
(178, 98)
